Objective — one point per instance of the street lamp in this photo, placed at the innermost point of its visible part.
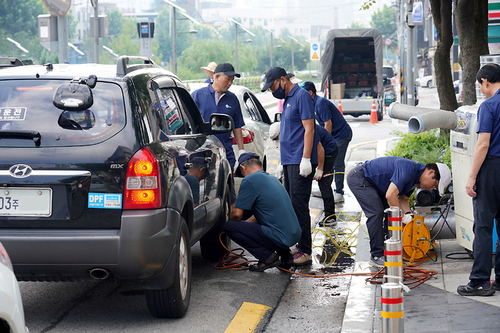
(182, 11)
(18, 45)
(271, 48)
(236, 24)
(110, 51)
(296, 41)
(96, 30)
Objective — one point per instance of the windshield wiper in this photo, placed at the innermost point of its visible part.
(22, 134)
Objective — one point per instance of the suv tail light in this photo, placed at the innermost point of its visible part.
(248, 136)
(142, 185)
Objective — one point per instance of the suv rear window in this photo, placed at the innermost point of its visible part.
(26, 105)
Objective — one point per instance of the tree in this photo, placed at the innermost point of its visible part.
(115, 22)
(356, 25)
(472, 27)
(385, 21)
(200, 54)
(441, 13)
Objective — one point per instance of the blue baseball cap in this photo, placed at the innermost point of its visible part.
(244, 157)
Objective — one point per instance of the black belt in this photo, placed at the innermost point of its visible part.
(491, 157)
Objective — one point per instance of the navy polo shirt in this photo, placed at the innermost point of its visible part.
(298, 106)
(404, 173)
(488, 121)
(268, 200)
(326, 110)
(327, 141)
(228, 104)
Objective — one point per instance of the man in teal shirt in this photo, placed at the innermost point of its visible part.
(273, 227)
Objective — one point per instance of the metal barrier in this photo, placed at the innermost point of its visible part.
(392, 289)
(395, 226)
(392, 308)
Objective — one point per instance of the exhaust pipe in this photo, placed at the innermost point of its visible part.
(99, 273)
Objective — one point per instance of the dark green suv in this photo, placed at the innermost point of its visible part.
(94, 163)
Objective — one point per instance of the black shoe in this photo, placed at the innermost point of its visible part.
(484, 289)
(495, 285)
(272, 261)
(329, 222)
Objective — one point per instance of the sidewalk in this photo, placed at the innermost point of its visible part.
(433, 306)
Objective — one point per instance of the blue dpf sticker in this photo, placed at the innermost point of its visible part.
(105, 200)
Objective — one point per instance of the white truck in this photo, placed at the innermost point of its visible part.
(352, 70)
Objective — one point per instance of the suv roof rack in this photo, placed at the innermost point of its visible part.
(10, 62)
(123, 66)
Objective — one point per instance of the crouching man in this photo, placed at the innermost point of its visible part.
(273, 227)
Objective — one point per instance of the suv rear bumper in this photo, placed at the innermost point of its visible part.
(140, 250)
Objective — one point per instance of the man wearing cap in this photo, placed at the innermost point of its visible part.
(329, 117)
(389, 181)
(210, 71)
(298, 151)
(482, 185)
(274, 227)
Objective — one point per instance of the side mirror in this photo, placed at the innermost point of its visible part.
(277, 117)
(221, 123)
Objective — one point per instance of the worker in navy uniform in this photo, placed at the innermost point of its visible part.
(329, 117)
(388, 182)
(216, 98)
(298, 151)
(273, 227)
(483, 186)
(327, 153)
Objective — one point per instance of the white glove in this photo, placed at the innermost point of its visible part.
(240, 152)
(407, 218)
(305, 167)
(318, 174)
(279, 172)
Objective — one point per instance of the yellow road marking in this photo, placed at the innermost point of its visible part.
(247, 318)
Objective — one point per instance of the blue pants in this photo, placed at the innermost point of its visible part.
(339, 165)
(251, 237)
(486, 208)
(373, 207)
(299, 190)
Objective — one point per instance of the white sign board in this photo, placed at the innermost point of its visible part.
(315, 51)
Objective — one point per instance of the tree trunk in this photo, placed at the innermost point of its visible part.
(441, 13)
(472, 28)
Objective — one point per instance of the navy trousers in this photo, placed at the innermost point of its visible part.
(325, 185)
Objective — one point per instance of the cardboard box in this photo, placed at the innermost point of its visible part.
(337, 90)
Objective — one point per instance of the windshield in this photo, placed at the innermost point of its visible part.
(27, 110)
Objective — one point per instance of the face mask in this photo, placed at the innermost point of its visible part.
(280, 92)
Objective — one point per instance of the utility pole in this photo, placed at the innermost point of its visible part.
(96, 31)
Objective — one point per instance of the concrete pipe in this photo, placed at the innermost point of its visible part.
(434, 119)
(405, 112)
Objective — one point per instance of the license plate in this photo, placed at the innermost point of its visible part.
(25, 201)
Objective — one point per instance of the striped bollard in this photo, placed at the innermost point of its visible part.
(392, 308)
(393, 251)
(395, 226)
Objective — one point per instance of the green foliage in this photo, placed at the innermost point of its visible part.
(428, 147)
(382, 19)
(367, 4)
(115, 22)
(200, 54)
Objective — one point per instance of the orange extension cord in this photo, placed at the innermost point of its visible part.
(414, 276)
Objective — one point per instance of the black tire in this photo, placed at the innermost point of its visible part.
(380, 115)
(429, 83)
(210, 245)
(173, 302)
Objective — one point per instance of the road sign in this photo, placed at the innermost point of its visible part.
(57, 7)
(388, 41)
(315, 51)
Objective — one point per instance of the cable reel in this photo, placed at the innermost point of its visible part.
(416, 239)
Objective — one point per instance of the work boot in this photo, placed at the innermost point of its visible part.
(272, 261)
(483, 289)
(496, 284)
(302, 259)
(329, 222)
(338, 197)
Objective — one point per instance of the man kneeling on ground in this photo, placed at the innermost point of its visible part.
(273, 227)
